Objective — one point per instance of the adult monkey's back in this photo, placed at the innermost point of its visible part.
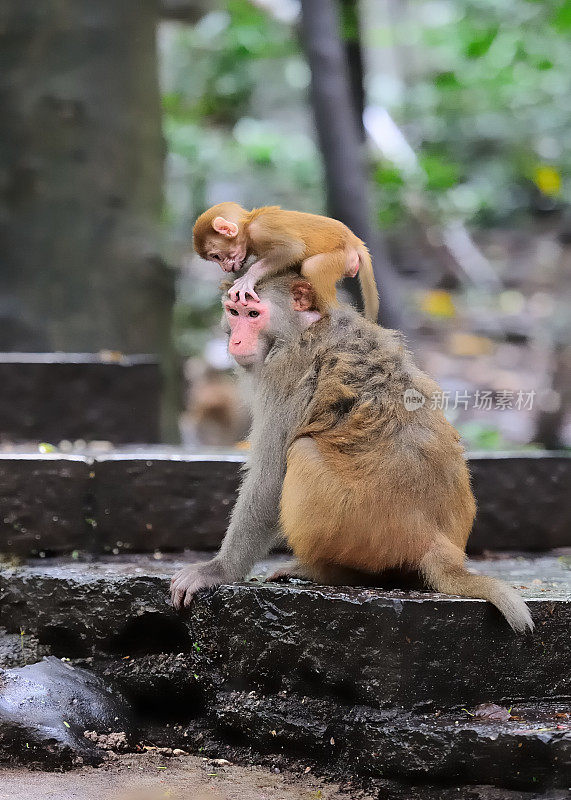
(357, 483)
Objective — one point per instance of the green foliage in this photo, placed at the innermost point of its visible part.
(349, 12)
(562, 19)
(390, 193)
(481, 42)
(235, 123)
(480, 436)
(215, 72)
(487, 87)
(441, 174)
(228, 82)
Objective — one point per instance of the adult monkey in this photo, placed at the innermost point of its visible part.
(357, 483)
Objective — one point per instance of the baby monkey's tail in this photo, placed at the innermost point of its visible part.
(368, 284)
(443, 569)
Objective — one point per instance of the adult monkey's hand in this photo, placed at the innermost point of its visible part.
(190, 580)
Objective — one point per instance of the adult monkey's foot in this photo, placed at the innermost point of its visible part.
(289, 570)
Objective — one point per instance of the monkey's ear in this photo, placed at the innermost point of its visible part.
(303, 295)
(225, 227)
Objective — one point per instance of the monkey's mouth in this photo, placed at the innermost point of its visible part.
(237, 261)
(234, 266)
(244, 359)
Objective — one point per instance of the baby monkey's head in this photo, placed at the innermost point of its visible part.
(219, 236)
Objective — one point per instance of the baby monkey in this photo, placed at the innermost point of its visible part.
(326, 249)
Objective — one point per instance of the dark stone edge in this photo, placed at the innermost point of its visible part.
(98, 528)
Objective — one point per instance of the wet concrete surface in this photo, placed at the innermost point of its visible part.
(538, 576)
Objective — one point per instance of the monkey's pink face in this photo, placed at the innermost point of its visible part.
(246, 323)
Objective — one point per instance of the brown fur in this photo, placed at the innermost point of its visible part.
(372, 481)
(325, 248)
(372, 487)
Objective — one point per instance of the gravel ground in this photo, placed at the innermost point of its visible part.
(153, 777)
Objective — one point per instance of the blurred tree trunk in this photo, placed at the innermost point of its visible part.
(549, 427)
(339, 140)
(81, 164)
(187, 10)
(551, 420)
(351, 35)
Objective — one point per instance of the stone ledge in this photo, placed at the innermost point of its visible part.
(48, 397)
(524, 502)
(362, 646)
(44, 504)
(450, 748)
(156, 498)
(165, 503)
(360, 681)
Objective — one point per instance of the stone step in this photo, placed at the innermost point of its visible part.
(48, 397)
(144, 500)
(363, 681)
(367, 646)
(531, 750)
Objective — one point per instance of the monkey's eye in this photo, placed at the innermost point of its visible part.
(232, 311)
(253, 313)
(215, 256)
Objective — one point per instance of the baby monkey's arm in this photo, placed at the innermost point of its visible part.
(243, 287)
(277, 253)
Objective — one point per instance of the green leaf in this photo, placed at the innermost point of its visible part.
(562, 19)
(350, 22)
(440, 173)
(446, 80)
(480, 45)
(389, 176)
(390, 214)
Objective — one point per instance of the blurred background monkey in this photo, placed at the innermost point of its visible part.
(357, 483)
(326, 249)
